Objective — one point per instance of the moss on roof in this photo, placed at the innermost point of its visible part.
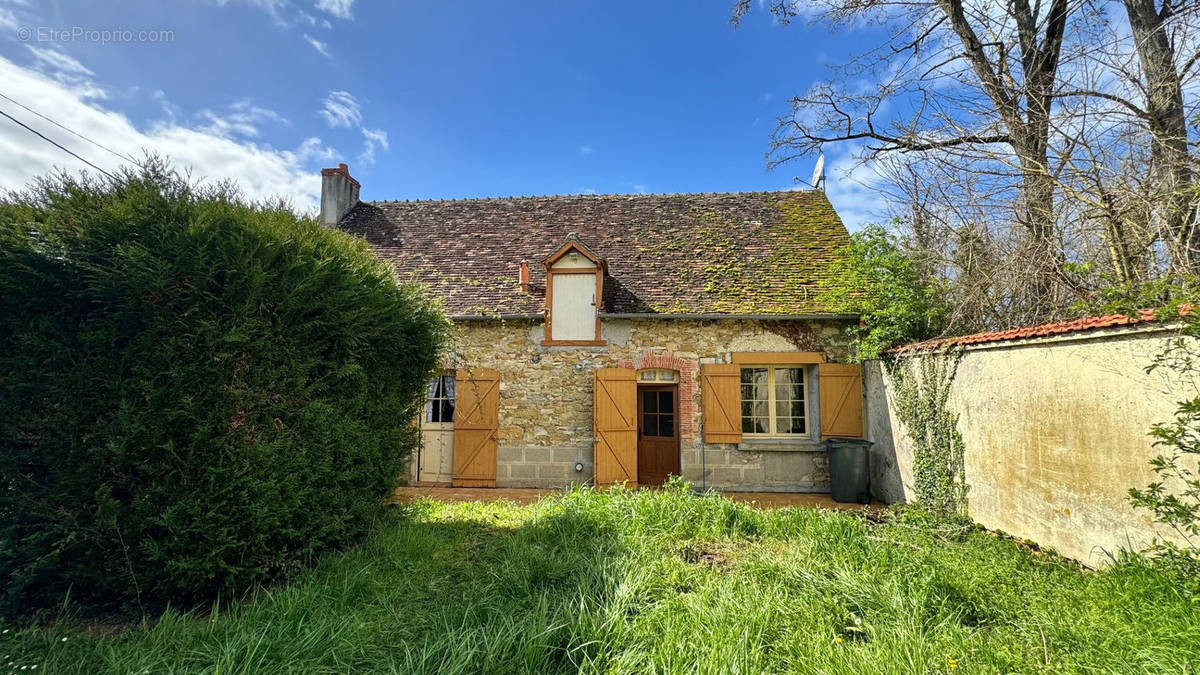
(722, 253)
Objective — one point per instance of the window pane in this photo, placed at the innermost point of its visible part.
(650, 425)
(790, 425)
(434, 385)
(789, 383)
(754, 425)
(666, 425)
(666, 402)
(755, 401)
(447, 410)
(649, 401)
(448, 386)
(429, 411)
(761, 409)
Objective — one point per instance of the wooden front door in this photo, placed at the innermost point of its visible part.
(658, 433)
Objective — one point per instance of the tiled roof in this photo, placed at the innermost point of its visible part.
(1044, 330)
(724, 253)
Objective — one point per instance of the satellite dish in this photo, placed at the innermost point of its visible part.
(818, 177)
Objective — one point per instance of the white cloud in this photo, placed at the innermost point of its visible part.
(275, 8)
(585, 149)
(8, 20)
(854, 188)
(54, 61)
(214, 149)
(241, 119)
(64, 68)
(767, 97)
(341, 109)
(373, 139)
(342, 9)
(322, 47)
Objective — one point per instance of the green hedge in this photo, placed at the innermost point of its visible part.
(196, 394)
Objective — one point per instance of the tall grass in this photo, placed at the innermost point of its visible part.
(662, 581)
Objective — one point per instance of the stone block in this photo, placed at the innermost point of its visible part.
(726, 476)
(507, 454)
(523, 471)
(572, 455)
(554, 471)
(537, 455)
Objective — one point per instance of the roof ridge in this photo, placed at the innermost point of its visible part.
(606, 195)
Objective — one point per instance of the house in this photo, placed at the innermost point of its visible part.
(607, 338)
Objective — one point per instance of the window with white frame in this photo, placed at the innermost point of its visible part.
(774, 401)
(439, 400)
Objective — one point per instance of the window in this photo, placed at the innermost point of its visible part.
(574, 285)
(658, 413)
(658, 375)
(773, 401)
(439, 404)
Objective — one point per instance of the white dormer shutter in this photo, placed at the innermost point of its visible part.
(573, 306)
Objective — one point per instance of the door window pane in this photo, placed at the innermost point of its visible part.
(649, 401)
(440, 404)
(650, 425)
(666, 425)
(666, 401)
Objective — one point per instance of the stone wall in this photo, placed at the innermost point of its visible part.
(1055, 433)
(546, 398)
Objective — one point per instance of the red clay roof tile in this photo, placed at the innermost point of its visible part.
(1044, 330)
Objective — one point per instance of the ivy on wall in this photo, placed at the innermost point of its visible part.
(921, 387)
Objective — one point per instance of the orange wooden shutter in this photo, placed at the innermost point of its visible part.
(720, 385)
(615, 410)
(840, 386)
(476, 418)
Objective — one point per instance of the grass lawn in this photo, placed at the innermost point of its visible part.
(661, 582)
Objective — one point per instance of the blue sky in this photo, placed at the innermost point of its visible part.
(422, 100)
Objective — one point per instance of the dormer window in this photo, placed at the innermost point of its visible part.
(574, 284)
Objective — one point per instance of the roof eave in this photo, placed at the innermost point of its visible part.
(656, 315)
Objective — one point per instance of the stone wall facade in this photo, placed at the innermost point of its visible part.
(545, 407)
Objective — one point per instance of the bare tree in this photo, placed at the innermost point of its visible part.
(1050, 130)
(1163, 76)
(962, 81)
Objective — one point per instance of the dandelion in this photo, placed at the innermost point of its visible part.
(952, 663)
(838, 640)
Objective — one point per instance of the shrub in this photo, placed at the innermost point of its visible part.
(197, 394)
(880, 280)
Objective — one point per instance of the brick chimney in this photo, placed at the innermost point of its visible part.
(523, 276)
(339, 194)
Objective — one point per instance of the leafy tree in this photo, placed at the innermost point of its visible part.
(878, 280)
(197, 394)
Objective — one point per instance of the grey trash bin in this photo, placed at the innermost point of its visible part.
(848, 469)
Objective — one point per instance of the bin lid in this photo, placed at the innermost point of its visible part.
(849, 441)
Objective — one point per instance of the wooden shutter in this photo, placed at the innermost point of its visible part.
(476, 418)
(840, 389)
(721, 400)
(615, 410)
